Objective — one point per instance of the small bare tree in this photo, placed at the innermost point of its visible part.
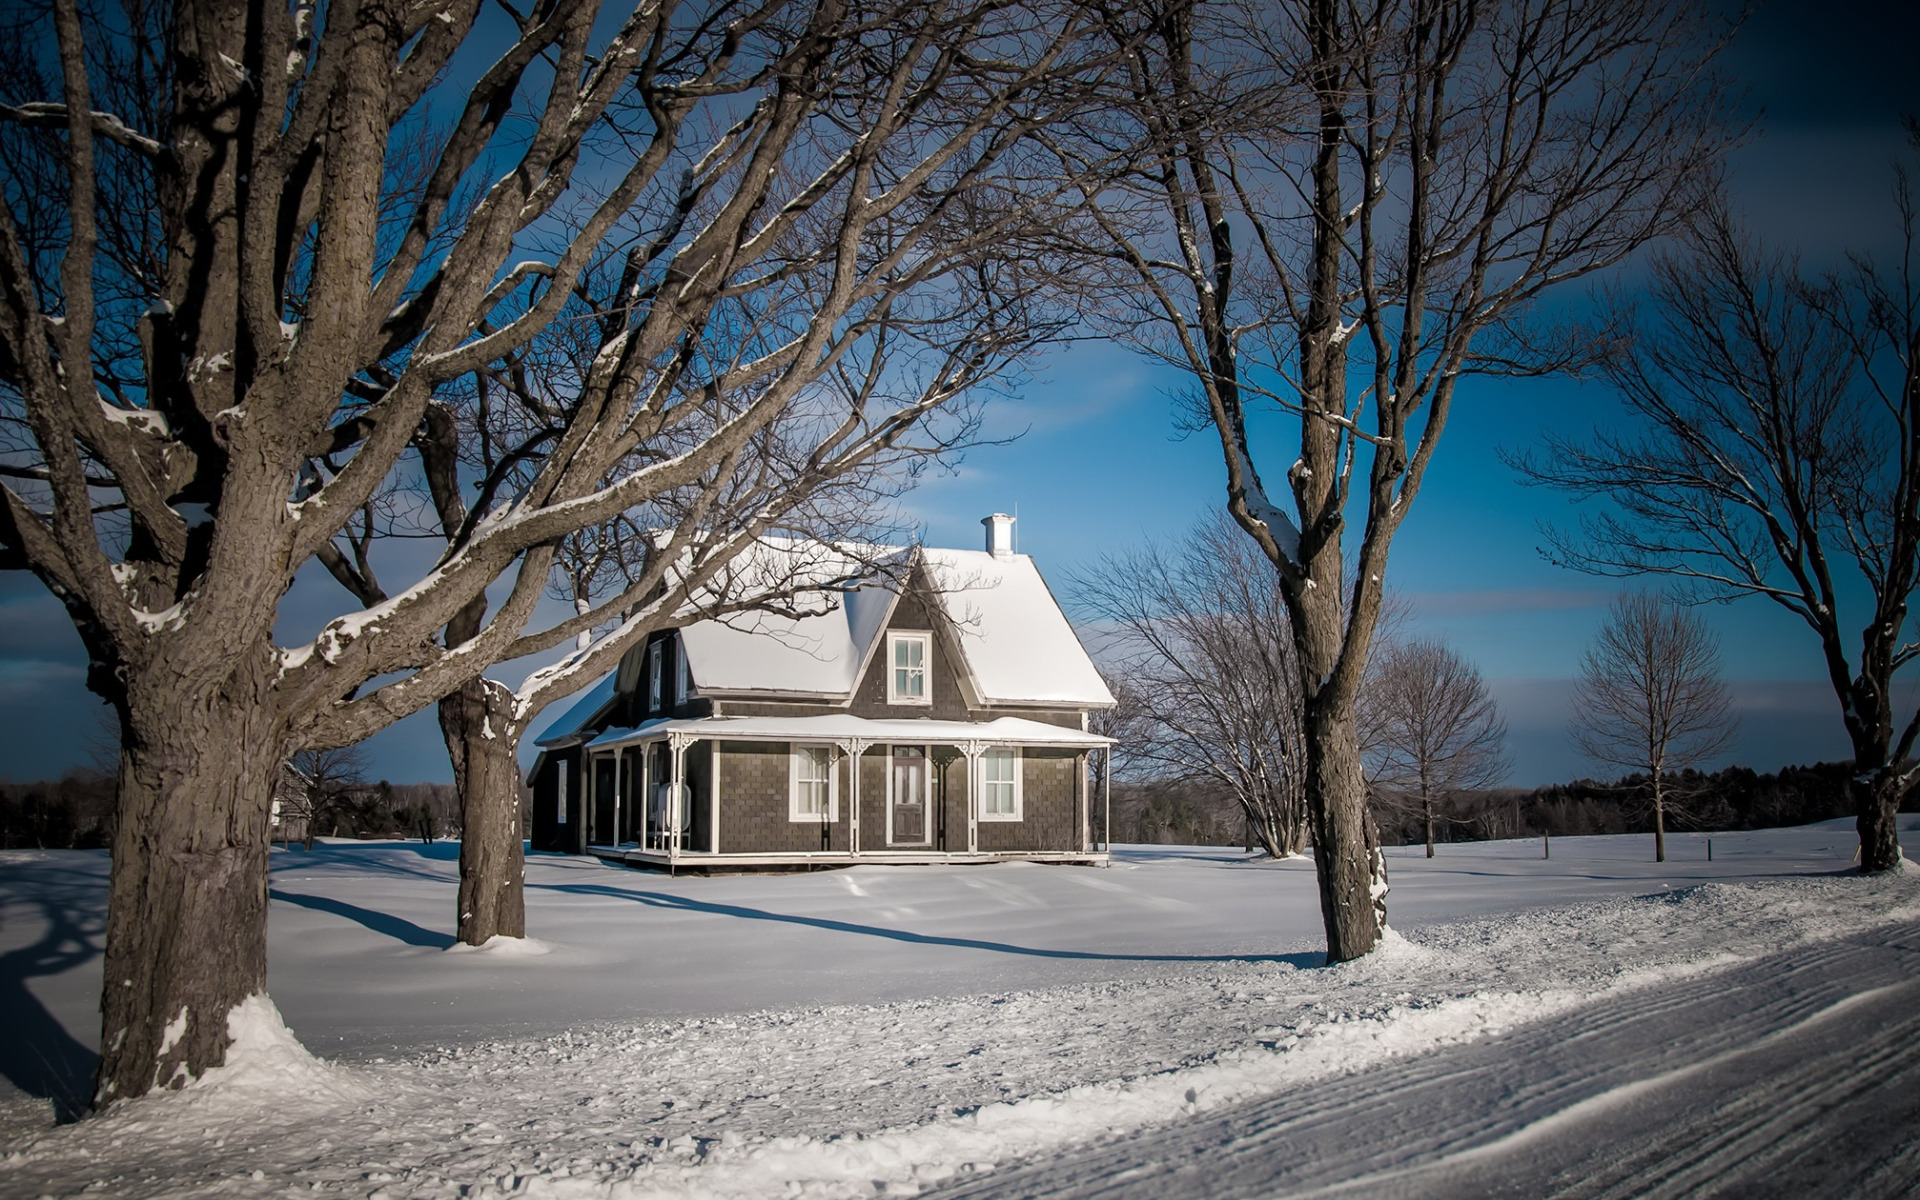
(1193, 632)
(1650, 696)
(1429, 727)
(1777, 454)
(333, 780)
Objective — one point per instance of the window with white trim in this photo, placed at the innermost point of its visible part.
(561, 790)
(814, 792)
(1000, 784)
(682, 674)
(907, 661)
(655, 682)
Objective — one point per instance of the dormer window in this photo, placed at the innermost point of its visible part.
(682, 674)
(907, 655)
(656, 681)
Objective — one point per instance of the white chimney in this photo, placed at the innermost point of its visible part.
(999, 535)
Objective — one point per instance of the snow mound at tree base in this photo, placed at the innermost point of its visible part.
(504, 946)
(266, 1060)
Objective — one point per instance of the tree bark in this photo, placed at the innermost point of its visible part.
(187, 904)
(483, 740)
(1351, 871)
(1875, 785)
(1876, 801)
(1659, 821)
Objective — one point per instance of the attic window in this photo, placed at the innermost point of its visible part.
(682, 674)
(655, 683)
(907, 655)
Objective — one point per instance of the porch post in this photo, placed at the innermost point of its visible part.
(856, 747)
(676, 800)
(973, 751)
(1083, 760)
(1106, 799)
(619, 753)
(645, 803)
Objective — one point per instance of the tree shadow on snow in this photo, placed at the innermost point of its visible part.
(37, 1054)
(1302, 960)
(398, 928)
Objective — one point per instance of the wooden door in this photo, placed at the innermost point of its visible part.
(907, 823)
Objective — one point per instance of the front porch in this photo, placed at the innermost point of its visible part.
(747, 792)
(698, 860)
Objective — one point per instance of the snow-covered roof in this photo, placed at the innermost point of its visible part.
(584, 710)
(1016, 643)
(1011, 639)
(1010, 642)
(1014, 731)
(818, 654)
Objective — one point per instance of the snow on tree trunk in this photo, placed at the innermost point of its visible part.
(483, 741)
(187, 906)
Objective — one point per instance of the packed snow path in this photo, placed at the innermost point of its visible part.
(1797, 1075)
(901, 1030)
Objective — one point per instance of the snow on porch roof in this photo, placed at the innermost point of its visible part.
(1004, 731)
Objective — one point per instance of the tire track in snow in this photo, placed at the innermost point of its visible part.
(1793, 1075)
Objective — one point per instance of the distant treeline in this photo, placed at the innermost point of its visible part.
(76, 812)
(1201, 813)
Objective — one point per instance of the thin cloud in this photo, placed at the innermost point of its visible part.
(1501, 600)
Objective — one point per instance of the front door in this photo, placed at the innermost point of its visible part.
(907, 823)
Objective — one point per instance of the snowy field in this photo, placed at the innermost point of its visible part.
(1589, 1024)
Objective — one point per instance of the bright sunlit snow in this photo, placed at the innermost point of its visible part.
(1159, 1028)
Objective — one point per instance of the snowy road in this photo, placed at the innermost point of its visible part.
(1796, 1075)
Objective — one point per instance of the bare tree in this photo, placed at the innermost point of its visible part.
(333, 780)
(797, 191)
(1193, 634)
(1351, 209)
(1429, 727)
(1650, 696)
(1777, 455)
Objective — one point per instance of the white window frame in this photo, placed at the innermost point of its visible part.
(900, 637)
(795, 809)
(560, 787)
(656, 682)
(682, 674)
(987, 786)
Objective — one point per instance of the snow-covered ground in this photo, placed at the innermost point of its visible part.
(1591, 1023)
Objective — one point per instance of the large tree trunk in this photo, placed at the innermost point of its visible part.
(1875, 783)
(483, 741)
(1876, 804)
(1346, 856)
(187, 905)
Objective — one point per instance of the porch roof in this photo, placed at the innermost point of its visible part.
(834, 727)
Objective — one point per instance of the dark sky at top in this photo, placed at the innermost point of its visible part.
(1849, 63)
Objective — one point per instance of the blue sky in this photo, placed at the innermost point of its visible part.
(1099, 465)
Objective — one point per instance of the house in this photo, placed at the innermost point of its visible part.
(941, 718)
